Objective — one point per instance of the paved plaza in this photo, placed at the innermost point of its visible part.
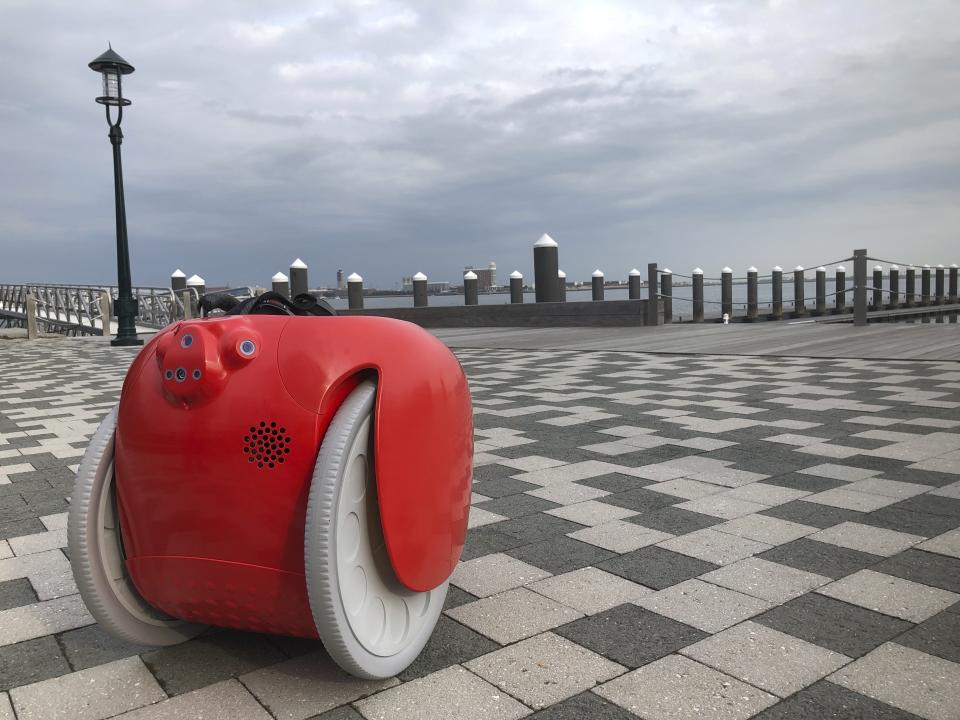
(656, 536)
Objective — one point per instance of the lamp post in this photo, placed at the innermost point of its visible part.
(113, 68)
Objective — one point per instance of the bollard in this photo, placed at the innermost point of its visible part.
(298, 278)
(471, 293)
(799, 309)
(178, 282)
(911, 288)
(953, 286)
(596, 285)
(925, 296)
(633, 284)
(105, 313)
(860, 288)
(653, 294)
(281, 284)
(355, 292)
(821, 292)
(877, 287)
(186, 297)
(32, 317)
(697, 295)
(726, 292)
(545, 269)
(666, 294)
(726, 318)
(893, 281)
(839, 283)
(751, 293)
(940, 296)
(777, 292)
(561, 286)
(199, 285)
(516, 287)
(419, 290)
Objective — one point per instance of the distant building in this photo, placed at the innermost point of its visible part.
(433, 288)
(340, 281)
(486, 277)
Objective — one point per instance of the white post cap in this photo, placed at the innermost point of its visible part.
(420, 277)
(777, 268)
(516, 275)
(196, 280)
(751, 269)
(953, 265)
(597, 273)
(798, 268)
(561, 274)
(821, 269)
(926, 266)
(697, 271)
(353, 277)
(939, 265)
(894, 267)
(279, 277)
(469, 275)
(634, 273)
(178, 273)
(298, 264)
(667, 271)
(841, 268)
(878, 267)
(726, 270)
(545, 241)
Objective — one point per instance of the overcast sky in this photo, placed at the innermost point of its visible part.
(388, 138)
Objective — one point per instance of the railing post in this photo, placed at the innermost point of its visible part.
(953, 283)
(187, 297)
(821, 291)
(419, 290)
(280, 283)
(633, 284)
(105, 314)
(925, 285)
(200, 286)
(751, 293)
(877, 287)
(546, 259)
(726, 292)
(839, 283)
(860, 288)
(471, 292)
(516, 287)
(596, 285)
(799, 290)
(893, 280)
(911, 291)
(939, 299)
(653, 294)
(178, 283)
(666, 293)
(355, 291)
(298, 278)
(31, 317)
(776, 290)
(561, 286)
(697, 295)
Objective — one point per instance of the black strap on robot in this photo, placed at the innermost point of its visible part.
(269, 303)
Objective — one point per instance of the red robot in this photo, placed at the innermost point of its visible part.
(305, 476)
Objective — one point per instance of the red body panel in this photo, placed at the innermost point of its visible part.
(213, 472)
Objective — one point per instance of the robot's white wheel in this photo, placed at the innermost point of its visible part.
(97, 558)
(370, 623)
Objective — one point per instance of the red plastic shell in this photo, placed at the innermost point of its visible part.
(213, 464)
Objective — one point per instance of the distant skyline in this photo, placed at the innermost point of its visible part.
(387, 138)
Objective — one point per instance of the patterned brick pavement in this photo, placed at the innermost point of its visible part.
(652, 535)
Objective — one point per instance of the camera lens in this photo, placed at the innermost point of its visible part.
(181, 374)
(247, 347)
(168, 374)
(186, 341)
(196, 374)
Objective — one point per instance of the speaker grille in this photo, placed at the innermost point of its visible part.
(266, 444)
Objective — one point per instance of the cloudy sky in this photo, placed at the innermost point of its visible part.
(392, 137)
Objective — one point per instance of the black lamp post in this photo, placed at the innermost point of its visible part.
(113, 67)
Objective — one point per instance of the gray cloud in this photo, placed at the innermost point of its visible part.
(387, 137)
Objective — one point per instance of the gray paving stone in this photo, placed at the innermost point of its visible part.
(674, 521)
(895, 517)
(924, 567)
(582, 706)
(513, 615)
(450, 643)
(722, 506)
(826, 700)
(805, 513)
(838, 626)
(847, 473)
(545, 669)
(590, 590)
(91, 694)
(905, 678)
(31, 661)
(43, 618)
(946, 544)
(16, 593)
(708, 607)
(560, 554)
(866, 538)
(851, 500)
(820, 558)
(656, 567)
(92, 645)
(6, 709)
(677, 688)
(939, 635)
(714, 547)
(307, 685)
(492, 574)
(890, 595)
(773, 661)
(619, 536)
(765, 529)
(225, 700)
(766, 580)
(450, 693)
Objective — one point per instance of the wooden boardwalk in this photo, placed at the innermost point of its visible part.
(934, 341)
